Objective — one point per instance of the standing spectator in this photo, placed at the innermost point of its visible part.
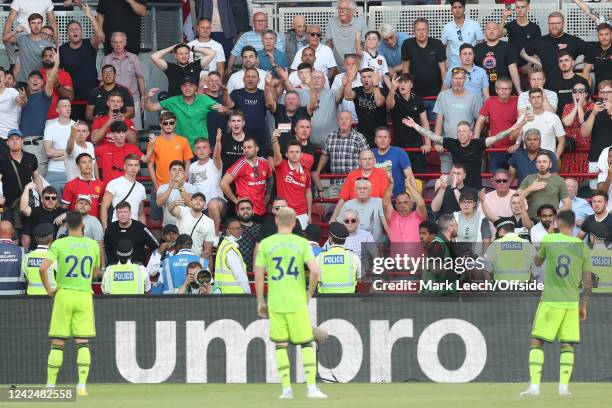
(604, 178)
(568, 80)
(453, 106)
(97, 104)
(167, 148)
(214, 120)
(580, 206)
(124, 189)
(404, 222)
(370, 210)
(249, 61)
(230, 269)
(523, 161)
(101, 127)
(126, 227)
(537, 79)
(391, 47)
(84, 185)
(190, 108)
(204, 40)
(594, 15)
(544, 187)
(394, 160)
(477, 78)
(230, 148)
(324, 56)
(56, 136)
(448, 189)
(128, 71)
(110, 157)
(548, 46)
(599, 55)
(11, 102)
(340, 31)
(205, 175)
(78, 58)
(253, 178)
(269, 56)
(225, 24)
(326, 111)
(350, 62)
(473, 231)
(460, 31)
(176, 192)
(77, 143)
(296, 37)
(501, 113)
(190, 219)
(250, 231)
(183, 67)
(13, 280)
(303, 130)
(598, 126)
(123, 16)
(520, 31)
(63, 87)
(49, 211)
(91, 225)
(425, 58)
(369, 55)
(369, 102)
(498, 201)
(574, 115)
(286, 115)
(497, 57)
(599, 202)
(30, 46)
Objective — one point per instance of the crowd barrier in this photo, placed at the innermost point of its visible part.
(373, 338)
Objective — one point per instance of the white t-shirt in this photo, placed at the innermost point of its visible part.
(212, 44)
(72, 170)
(324, 59)
(602, 166)
(346, 106)
(26, 7)
(9, 111)
(174, 195)
(204, 230)
(58, 134)
(236, 81)
(523, 100)
(550, 127)
(119, 188)
(206, 178)
(377, 63)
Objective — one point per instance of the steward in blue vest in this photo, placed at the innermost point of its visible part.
(12, 281)
(174, 268)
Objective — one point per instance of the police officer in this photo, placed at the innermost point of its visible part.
(601, 258)
(43, 235)
(340, 267)
(173, 269)
(125, 277)
(12, 281)
(230, 269)
(509, 258)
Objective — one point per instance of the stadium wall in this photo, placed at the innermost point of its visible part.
(372, 339)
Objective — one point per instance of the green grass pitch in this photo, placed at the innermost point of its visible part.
(353, 395)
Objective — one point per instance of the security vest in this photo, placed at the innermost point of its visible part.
(174, 270)
(601, 265)
(510, 258)
(124, 279)
(12, 281)
(31, 264)
(224, 278)
(338, 267)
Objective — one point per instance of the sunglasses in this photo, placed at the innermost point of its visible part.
(501, 181)
(278, 207)
(457, 70)
(350, 220)
(578, 91)
(316, 34)
(168, 122)
(459, 35)
(50, 198)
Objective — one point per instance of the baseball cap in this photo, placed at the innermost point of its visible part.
(170, 228)
(84, 197)
(14, 132)
(187, 79)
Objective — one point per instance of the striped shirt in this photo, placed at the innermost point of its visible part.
(253, 39)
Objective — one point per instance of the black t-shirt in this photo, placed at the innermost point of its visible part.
(10, 184)
(175, 73)
(449, 202)
(470, 156)
(119, 16)
(601, 135)
(99, 98)
(214, 121)
(495, 60)
(586, 225)
(369, 115)
(405, 136)
(137, 233)
(231, 151)
(565, 91)
(253, 105)
(41, 216)
(80, 63)
(547, 49)
(268, 228)
(601, 60)
(520, 36)
(424, 65)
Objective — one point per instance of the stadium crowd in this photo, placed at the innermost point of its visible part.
(342, 124)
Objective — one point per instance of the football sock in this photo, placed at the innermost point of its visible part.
(566, 364)
(536, 361)
(282, 364)
(54, 363)
(83, 362)
(309, 359)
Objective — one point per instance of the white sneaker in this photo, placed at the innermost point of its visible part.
(563, 391)
(315, 393)
(531, 391)
(287, 394)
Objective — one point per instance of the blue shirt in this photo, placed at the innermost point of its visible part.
(254, 39)
(524, 166)
(393, 55)
(280, 58)
(471, 32)
(174, 269)
(34, 114)
(12, 281)
(399, 162)
(581, 208)
(475, 80)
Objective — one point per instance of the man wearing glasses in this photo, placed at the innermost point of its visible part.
(48, 211)
(324, 56)
(459, 31)
(340, 31)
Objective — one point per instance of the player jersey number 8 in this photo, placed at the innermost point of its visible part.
(563, 266)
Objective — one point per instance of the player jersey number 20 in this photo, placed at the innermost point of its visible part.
(563, 266)
(291, 270)
(85, 266)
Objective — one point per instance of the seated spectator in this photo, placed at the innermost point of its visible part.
(394, 160)
(230, 269)
(356, 238)
(599, 202)
(580, 206)
(126, 227)
(84, 204)
(110, 157)
(100, 128)
(84, 185)
(448, 189)
(369, 55)
(296, 37)
(604, 178)
(324, 60)
(546, 216)
(478, 80)
(299, 77)
(370, 210)
(63, 87)
(404, 222)
(249, 61)
(124, 188)
(204, 40)
(391, 47)
(573, 116)
(97, 103)
(76, 145)
(518, 209)
(183, 67)
(523, 161)
(340, 31)
(350, 61)
(176, 192)
(173, 271)
(537, 79)
(191, 109)
(473, 229)
(269, 56)
(56, 136)
(113, 16)
(250, 231)
(191, 220)
(48, 211)
(205, 175)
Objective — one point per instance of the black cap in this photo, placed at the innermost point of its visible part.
(338, 230)
(118, 126)
(170, 228)
(198, 194)
(503, 221)
(124, 248)
(44, 230)
(187, 79)
(184, 240)
(599, 230)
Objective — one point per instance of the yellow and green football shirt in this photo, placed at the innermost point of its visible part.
(76, 259)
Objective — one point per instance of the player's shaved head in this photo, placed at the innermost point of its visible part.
(566, 219)
(6, 230)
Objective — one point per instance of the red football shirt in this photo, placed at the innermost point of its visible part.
(64, 79)
(110, 159)
(292, 184)
(251, 181)
(501, 117)
(79, 187)
(107, 140)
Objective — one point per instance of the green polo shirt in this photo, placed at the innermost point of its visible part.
(190, 119)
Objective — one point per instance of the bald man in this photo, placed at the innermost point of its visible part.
(12, 281)
(295, 38)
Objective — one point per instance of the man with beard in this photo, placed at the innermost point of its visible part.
(599, 55)
(599, 202)
(250, 231)
(192, 221)
(62, 88)
(93, 228)
(249, 60)
(438, 251)
(49, 211)
(546, 216)
(568, 80)
(97, 103)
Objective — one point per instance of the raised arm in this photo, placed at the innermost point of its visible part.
(531, 59)
(515, 129)
(71, 139)
(208, 54)
(149, 105)
(98, 36)
(502, 23)
(421, 207)
(138, 8)
(217, 152)
(390, 100)
(349, 94)
(278, 157)
(8, 25)
(158, 57)
(270, 93)
(408, 121)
